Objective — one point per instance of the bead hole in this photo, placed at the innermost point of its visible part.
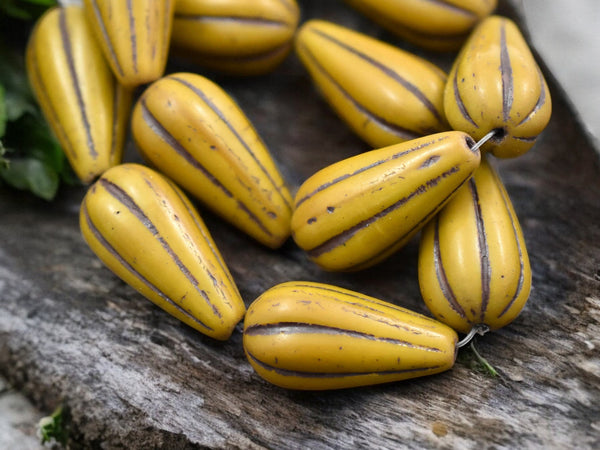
(499, 135)
(470, 142)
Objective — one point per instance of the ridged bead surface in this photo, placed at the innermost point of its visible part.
(473, 262)
(193, 131)
(238, 37)
(304, 335)
(359, 211)
(148, 233)
(433, 24)
(495, 84)
(82, 102)
(134, 36)
(386, 95)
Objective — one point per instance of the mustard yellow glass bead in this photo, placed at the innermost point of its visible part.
(473, 262)
(386, 95)
(441, 25)
(313, 336)
(134, 36)
(495, 84)
(147, 232)
(86, 108)
(191, 130)
(359, 211)
(237, 37)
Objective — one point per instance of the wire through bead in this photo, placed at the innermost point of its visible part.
(479, 329)
(486, 138)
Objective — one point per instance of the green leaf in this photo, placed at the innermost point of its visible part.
(30, 156)
(53, 428)
(33, 175)
(3, 161)
(18, 97)
(17, 105)
(15, 11)
(25, 9)
(41, 2)
(3, 117)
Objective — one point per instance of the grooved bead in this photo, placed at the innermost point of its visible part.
(81, 100)
(440, 25)
(144, 229)
(386, 95)
(191, 130)
(495, 84)
(359, 211)
(237, 37)
(473, 263)
(314, 336)
(134, 36)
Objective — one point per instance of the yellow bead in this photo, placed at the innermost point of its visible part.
(313, 336)
(441, 25)
(384, 94)
(237, 37)
(495, 84)
(86, 108)
(191, 130)
(134, 36)
(473, 263)
(148, 233)
(361, 210)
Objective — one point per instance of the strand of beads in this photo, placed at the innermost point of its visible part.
(425, 174)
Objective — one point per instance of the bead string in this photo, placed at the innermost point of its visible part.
(479, 329)
(495, 132)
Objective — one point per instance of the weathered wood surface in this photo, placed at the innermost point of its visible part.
(133, 377)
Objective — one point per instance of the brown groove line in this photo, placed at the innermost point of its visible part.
(44, 99)
(408, 233)
(245, 59)
(507, 76)
(245, 20)
(332, 289)
(110, 249)
(170, 140)
(341, 238)
(452, 7)
(390, 73)
(513, 221)
(365, 168)
(541, 99)
(416, 33)
(117, 100)
(526, 139)
(66, 41)
(235, 132)
(401, 132)
(120, 195)
(185, 236)
(270, 329)
(304, 374)
(364, 314)
(429, 161)
(459, 101)
(290, 6)
(440, 273)
(132, 35)
(359, 297)
(111, 49)
(206, 237)
(482, 244)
